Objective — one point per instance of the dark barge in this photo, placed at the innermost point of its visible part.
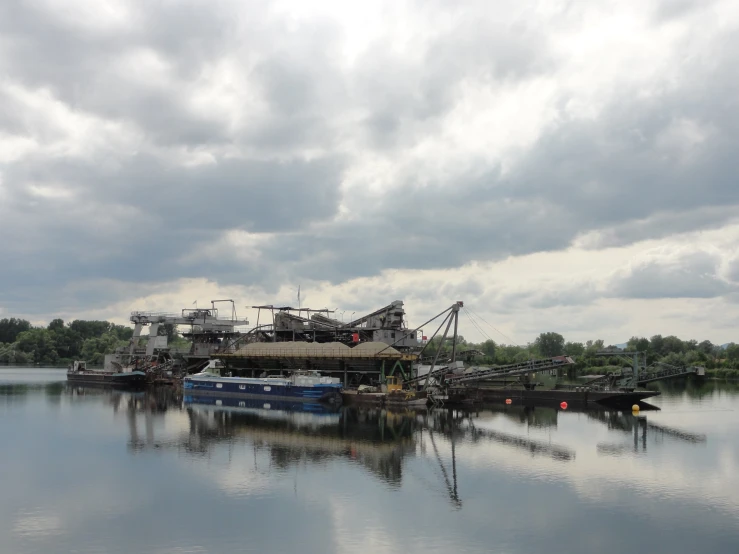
(78, 373)
(573, 397)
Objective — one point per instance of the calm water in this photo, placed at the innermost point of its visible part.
(88, 470)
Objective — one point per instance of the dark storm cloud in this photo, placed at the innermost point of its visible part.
(404, 98)
(146, 74)
(169, 211)
(669, 10)
(733, 273)
(689, 276)
(665, 224)
(635, 173)
(228, 194)
(647, 166)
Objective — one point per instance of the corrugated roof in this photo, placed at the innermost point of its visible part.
(317, 350)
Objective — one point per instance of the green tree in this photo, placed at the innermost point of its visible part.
(94, 349)
(508, 354)
(706, 347)
(39, 344)
(676, 359)
(672, 344)
(657, 344)
(574, 348)
(593, 346)
(56, 325)
(90, 329)
(732, 351)
(68, 342)
(638, 344)
(167, 330)
(550, 344)
(11, 328)
(125, 333)
(488, 348)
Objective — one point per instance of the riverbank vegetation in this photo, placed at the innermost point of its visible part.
(59, 343)
(719, 360)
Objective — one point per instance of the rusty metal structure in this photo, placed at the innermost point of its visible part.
(205, 328)
(362, 350)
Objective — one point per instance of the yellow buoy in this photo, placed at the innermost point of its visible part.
(635, 408)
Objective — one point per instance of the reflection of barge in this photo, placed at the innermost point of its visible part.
(296, 432)
(261, 406)
(78, 373)
(300, 386)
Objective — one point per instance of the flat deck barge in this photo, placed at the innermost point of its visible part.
(572, 397)
(471, 396)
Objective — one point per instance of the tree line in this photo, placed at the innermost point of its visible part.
(719, 360)
(59, 343)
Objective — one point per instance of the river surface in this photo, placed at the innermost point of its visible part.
(90, 470)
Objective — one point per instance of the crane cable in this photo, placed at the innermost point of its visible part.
(494, 328)
(476, 325)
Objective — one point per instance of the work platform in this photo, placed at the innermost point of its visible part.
(355, 365)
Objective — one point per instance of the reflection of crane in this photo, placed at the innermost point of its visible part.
(456, 423)
(532, 446)
(633, 423)
(451, 487)
(451, 424)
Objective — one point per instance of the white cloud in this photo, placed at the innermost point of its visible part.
(559, 167)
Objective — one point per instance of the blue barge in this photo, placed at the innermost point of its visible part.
(301, 385)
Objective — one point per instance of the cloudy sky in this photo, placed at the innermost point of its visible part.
(560, 166)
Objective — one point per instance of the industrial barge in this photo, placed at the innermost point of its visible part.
(78, 373)
(307, 354)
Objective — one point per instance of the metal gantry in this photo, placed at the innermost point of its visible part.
(638, 373)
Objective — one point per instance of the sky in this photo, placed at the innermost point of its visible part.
(565, 166)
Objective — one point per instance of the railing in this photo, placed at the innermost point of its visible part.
(530, 366)
(154, 315)
(520, 368)
(650, 376)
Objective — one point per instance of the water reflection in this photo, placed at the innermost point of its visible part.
(82, 466)
(638, 425)
(298, 432)
(292, 432)
(378, 439)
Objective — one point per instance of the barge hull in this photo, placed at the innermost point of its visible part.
(383, 399)
(133, 379)
(277, 391)
(613, 398)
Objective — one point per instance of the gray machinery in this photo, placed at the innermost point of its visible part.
(208, 332)
(314, 325)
